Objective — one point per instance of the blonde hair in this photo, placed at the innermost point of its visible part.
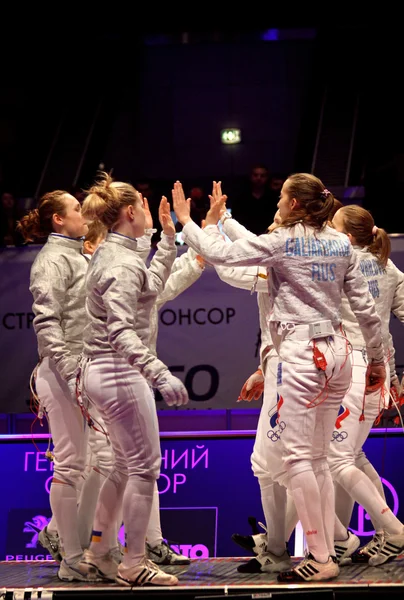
(106, 198)
(38, 223)
(96, 230)
(360, 224)
(315, 201)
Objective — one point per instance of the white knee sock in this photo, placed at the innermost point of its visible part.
(344, 504)
(326, 489)
(107, 511)
(52, 526)
(373, 475)
(340, 531)
(292, 518)
(364, 493)
(87, 505)
(154, 535)
(273, 499)
(114, 540)
(304, 489)
(63, 500)
(137, 504)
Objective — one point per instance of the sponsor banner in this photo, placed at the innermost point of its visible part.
(209, 337)
(207, 493)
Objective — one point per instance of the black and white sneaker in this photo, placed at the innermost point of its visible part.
(345, 548)
(362, 555)
(267, 563)
(311, 570)
(254, 543)
(391, 547)
(144, 573)
(163, 554)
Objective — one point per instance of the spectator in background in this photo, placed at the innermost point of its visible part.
(256, 204)
(9, 236)
(276, 182)
(199, 204)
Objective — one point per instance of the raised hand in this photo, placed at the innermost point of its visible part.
(182, 207)
(217, 204)
(165, 219)
(148, 217)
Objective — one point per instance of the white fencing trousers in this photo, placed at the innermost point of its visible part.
(69, 435)
(308, 407)
(124, 400)
(349, 466)
(267, 465)
(99, 463)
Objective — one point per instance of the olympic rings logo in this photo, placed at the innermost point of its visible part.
(339, 436)
(275, 434)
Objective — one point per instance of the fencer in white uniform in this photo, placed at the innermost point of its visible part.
(185, 271)
(355, 478)
(266, 458)
(117, 370)
(309, 266)
(57, 285)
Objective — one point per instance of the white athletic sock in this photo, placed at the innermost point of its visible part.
(63, 501)
(87, 505)
(107, 511)
(304, 489)
(344, 504)
(340, 531)
(373, 475)
(364, 493)
(326, 489)
(154, 535)
(137, 504)
(114, 541)
(292, 518)
(273, 499)
(52, 526)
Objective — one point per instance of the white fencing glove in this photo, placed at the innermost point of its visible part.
(172, 389)
(253, 387)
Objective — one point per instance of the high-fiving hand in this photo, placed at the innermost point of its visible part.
(217, 204)
(148, 217)
(165, 219)
(182, 207)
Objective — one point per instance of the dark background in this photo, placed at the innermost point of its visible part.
(146, 93)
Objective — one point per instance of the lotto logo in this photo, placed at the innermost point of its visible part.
(195, 551)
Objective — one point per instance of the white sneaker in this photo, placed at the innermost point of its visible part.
(106, 567)
(311, 570)
(51, 542)
(345, 548)
(366, 552)
(77, 571)
(144, 573)
(257, 543)
(163, 554)
(267, 563)
(391, 547)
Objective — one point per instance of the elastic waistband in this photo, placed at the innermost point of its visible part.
(306, 331)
